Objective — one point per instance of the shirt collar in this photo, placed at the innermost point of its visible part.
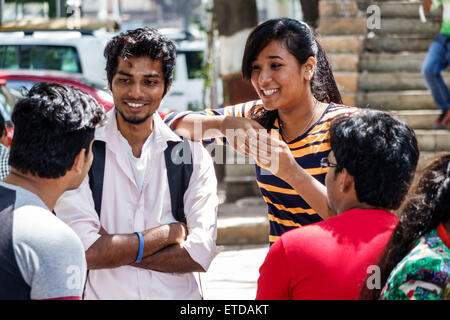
(162, 133)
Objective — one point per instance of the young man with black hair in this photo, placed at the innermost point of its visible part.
(371, 164)
(40, 256)
(135, 248)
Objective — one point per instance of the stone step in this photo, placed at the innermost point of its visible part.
(419, 119)
(399, 26)
(342, 9)
(342, 26)
(239, 169)
(400, 9)
(243, 221)
(425, 158)
(346, 81)
(237, 187)
(342, 44)
(392, 62)
(433, 140)
(349, 98)
(396, 100)
(370, 81)
(344, 61)
(412, 43)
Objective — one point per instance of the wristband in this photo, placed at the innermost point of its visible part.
(141, 247)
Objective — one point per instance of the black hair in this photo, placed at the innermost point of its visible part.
(300, 42)
(379, 151)
(51, 126)
(2, 125)
(427, 206)
(2, 121)
(141, 42)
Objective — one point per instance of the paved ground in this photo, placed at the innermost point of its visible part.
(234, 272)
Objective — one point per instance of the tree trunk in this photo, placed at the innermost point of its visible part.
(235, 19)
(310, 9)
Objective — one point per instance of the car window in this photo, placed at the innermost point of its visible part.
(10, 57)
(194, 62)
(62, 58)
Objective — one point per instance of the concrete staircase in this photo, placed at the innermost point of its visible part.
(381, 67)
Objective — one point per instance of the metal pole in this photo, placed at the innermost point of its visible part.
(58, 9)
(1, 11)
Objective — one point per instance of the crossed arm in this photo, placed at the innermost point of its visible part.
(167, 248)
(162, 250)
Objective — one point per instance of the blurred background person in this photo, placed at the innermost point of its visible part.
(4, 150)
(436, 61)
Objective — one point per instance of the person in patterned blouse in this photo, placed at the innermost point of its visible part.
(416, 262)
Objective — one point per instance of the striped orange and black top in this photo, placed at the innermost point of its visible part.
(286, 208)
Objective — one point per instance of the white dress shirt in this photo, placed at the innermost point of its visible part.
(126, 210)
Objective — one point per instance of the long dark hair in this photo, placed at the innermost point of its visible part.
(426, 208)
(301, 43)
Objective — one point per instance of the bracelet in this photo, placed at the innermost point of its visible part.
(141, 247)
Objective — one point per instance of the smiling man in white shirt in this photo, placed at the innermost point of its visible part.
(135, 248)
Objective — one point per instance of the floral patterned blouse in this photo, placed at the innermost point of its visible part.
(424, 273)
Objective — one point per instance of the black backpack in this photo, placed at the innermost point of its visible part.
(178, 174)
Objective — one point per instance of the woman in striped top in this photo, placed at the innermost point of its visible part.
(298, 100)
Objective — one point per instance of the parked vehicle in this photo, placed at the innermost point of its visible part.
(188, 84)
(81, 53)
(14, 82)
(18, 80)
(77, 52)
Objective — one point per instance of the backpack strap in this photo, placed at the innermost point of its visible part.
(178, 158)
(96, 174)
(179, 166)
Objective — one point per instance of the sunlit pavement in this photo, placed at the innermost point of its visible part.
(234, 272)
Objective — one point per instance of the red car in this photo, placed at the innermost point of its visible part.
(17, 79)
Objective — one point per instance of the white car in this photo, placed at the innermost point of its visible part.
(69, 51)
(188, 87)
